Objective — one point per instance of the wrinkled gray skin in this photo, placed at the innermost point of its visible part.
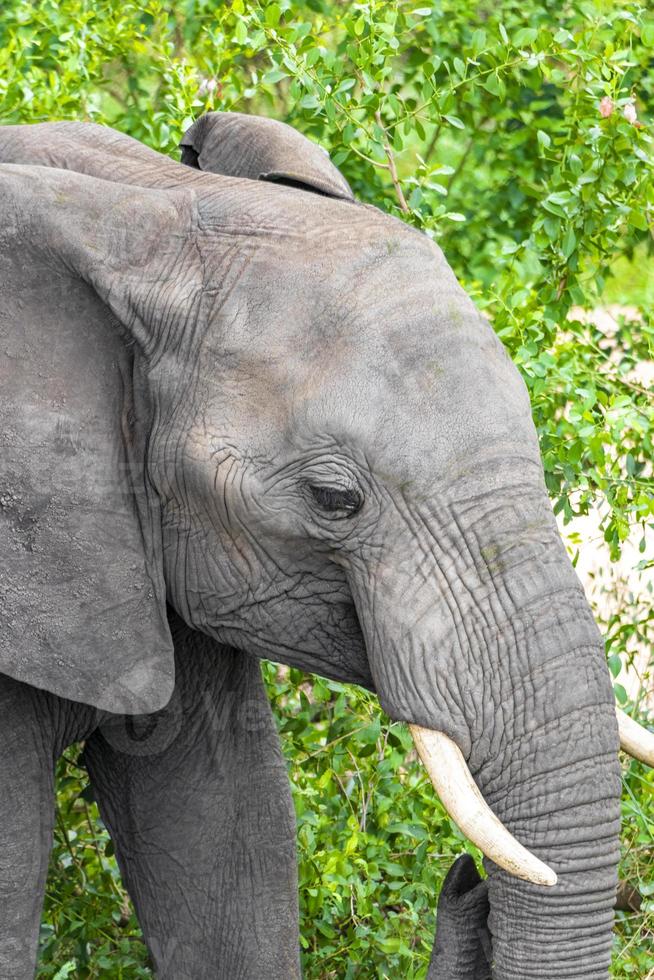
(276, 411)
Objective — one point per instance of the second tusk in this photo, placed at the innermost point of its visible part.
(634, 739)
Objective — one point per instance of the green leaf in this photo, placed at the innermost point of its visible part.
(478, 41)
(638, 219)
(494, 85)
(275, 75)
(415, 198)
(408, 830)
(272, 14)
(620, 693)
(340, 157)
(65, 970)
(345, 85)
(240, 32)
(569, 242)
(544, 139)
(560, 197)
(309, 102)
(525, 37)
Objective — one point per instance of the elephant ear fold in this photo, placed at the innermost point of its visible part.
(237, 145)
(82, 593)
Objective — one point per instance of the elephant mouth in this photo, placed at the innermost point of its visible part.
(460, 796)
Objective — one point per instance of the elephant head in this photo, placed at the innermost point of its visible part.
(278, 411)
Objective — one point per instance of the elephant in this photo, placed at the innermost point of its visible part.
(245, 416)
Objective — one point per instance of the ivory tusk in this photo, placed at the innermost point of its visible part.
(460, 796)
(634, 739)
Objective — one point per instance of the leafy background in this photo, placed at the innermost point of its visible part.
(518, 134)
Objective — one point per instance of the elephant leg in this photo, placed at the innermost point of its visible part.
(197, 800)
(462, 950)
(35, 727)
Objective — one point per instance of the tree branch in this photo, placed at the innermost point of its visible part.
(433, 141)
(391, 165)
(459, 166)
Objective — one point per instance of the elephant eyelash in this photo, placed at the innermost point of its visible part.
(337, 501)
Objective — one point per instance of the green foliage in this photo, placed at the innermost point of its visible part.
(88, 928)
(633, 942)
(374, 843)
(517, 135)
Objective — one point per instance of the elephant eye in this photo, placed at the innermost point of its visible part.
(336, 501)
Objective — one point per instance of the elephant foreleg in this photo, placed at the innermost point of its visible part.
(35, 727)
(197, 800)
(462, 950)
(26, 819)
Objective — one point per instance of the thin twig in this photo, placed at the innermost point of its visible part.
(433, 141)
(334, 741)
(64, 833)
(459, 166)
(464, 81)
(391, 165)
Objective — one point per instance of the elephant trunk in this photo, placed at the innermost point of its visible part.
(562, 803)
(552, 778)
(491, 642)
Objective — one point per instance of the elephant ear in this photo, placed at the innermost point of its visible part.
(237, 145)
(82, 595)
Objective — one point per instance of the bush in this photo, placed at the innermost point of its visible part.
(515, 134)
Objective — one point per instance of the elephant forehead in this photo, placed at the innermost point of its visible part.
(410, 420)
(347, 258)
(369, 339)
(398, 317)
(417, 420)
(378, 288)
